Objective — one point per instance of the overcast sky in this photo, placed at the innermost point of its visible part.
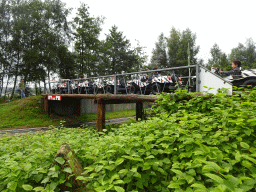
(225, 22)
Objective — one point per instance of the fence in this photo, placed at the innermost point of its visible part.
(125, 83)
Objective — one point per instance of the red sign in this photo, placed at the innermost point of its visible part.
(52, 97)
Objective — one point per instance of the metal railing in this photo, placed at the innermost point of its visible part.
(116, 77)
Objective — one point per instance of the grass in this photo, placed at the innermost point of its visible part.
(27, 113)
(24, 113)
(108, 115)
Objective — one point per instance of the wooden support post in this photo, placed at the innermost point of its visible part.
(79, 106)
(46, 105)
(100, 115)
(139, 110)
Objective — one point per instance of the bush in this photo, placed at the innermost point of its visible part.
(198, 143)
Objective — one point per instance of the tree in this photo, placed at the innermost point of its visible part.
(173, 45)
(5, 52)
(120, 57)
(56, 34)
(250, 53)
(140, 57)
(67, 66)
(87, 42)
(245, 53)
(218, 59)
(159, 53)
(19, 14)
(33, 30)
(238, 53)
(177, 45)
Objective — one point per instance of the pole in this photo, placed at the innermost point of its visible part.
(189, 64)
(115, 85)
(197, 78)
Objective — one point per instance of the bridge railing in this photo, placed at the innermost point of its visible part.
(71, 86)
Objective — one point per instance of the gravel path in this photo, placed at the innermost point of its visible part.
(31, 130)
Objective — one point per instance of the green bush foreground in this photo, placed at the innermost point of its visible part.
(195, 143)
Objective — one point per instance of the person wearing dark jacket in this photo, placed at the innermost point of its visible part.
(236, 71)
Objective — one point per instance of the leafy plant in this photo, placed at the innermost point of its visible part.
(197, 142)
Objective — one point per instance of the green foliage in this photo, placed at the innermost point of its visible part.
(198, 142)
(32, 32)
(177, 44)
(118, 55)
(26, 160)
(67, 64)
(25, 112)
(87, 40)
(159, 53)
(218, 59)
(246, 53)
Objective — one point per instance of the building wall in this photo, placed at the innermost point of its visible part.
(88, 106)
(69, 106)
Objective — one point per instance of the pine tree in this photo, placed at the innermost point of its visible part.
(159, 53)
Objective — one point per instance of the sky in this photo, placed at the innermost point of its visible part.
(225, 22)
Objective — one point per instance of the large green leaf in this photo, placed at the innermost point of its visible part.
(12, 185)
(60, 160)
(119, 161)
(198, 185)
(214, 177)
(119, 189)
(244, 145)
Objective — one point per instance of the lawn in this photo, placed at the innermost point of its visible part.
(27, 113)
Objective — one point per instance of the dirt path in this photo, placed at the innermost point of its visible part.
(32, 130)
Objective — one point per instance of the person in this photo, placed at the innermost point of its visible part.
(236, 71)
(22, 88)
(79, 84)
(157, 73)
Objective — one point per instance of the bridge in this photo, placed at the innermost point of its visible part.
(101, 100)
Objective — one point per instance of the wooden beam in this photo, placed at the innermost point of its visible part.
(83, 96)
(46, 105)
(100, 115)
(115, 101)
(130, 97)
(139, 110)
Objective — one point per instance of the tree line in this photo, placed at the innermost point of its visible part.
(175, 49)
(35, 41)
(246, 53)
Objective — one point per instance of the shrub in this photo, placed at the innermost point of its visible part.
(195, 143)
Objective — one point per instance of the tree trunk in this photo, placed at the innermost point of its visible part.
(14, 86)
(2, 85)
(40, 92)
(16, 76)
(6, 86)
(44, 87)
(70, 160)
(49, 82)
